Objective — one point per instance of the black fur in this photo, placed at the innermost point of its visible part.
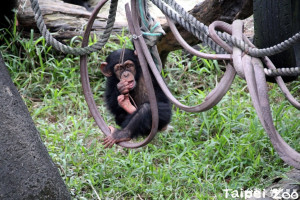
(139, 123)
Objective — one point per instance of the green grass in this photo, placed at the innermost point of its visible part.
(197, 158)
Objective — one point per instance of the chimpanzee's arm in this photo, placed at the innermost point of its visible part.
(111, 98)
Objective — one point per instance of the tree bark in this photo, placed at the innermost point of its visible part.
(26, 169)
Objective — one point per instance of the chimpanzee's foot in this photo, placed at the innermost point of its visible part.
(109, 141)
(116, 137)
(125, 103)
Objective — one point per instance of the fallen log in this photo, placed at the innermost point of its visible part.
(63, 20)
(67, 20)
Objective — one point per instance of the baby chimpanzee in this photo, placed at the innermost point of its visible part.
(126, 97)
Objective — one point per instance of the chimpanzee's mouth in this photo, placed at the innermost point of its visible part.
(131, 84)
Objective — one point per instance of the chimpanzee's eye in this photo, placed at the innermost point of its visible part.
(122, 67)
(129, 66)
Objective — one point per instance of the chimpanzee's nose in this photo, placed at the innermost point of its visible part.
(126, 74)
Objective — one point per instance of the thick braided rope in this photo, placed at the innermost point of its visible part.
(294, 71)
(67, 49)
(255, 52)
(190, 23)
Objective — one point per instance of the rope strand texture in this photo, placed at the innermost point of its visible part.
(177, 13)
(198, 29)
(188, 22)
(67, 49)
(294, 71)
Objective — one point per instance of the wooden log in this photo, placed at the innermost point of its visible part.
(67, 20)
(63, 20)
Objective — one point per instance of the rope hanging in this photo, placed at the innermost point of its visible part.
(133, 26)
(151, 30)
(252, 70)
(246, 65)
(186, 20)
(198, 29)
(67, 49)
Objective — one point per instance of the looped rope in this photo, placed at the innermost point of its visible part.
(67, 49)
(133, 26)
(177, 13)
(247, 67)
(251, 69)
(85, 77)
(151, 30)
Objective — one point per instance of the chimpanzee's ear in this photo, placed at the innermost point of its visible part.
(104, 71)
(135, 52)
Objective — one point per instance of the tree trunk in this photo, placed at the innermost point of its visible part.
(26, 169)
(206, 12)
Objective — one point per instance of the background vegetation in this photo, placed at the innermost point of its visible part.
(200, 154)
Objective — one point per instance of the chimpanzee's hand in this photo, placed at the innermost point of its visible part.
(123, 87)
(125, 103)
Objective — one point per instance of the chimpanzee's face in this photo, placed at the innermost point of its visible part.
(126, 72)
(123, 66)
(127, 66)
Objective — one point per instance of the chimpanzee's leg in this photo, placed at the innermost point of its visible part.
(130, 126)
(139, 123)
